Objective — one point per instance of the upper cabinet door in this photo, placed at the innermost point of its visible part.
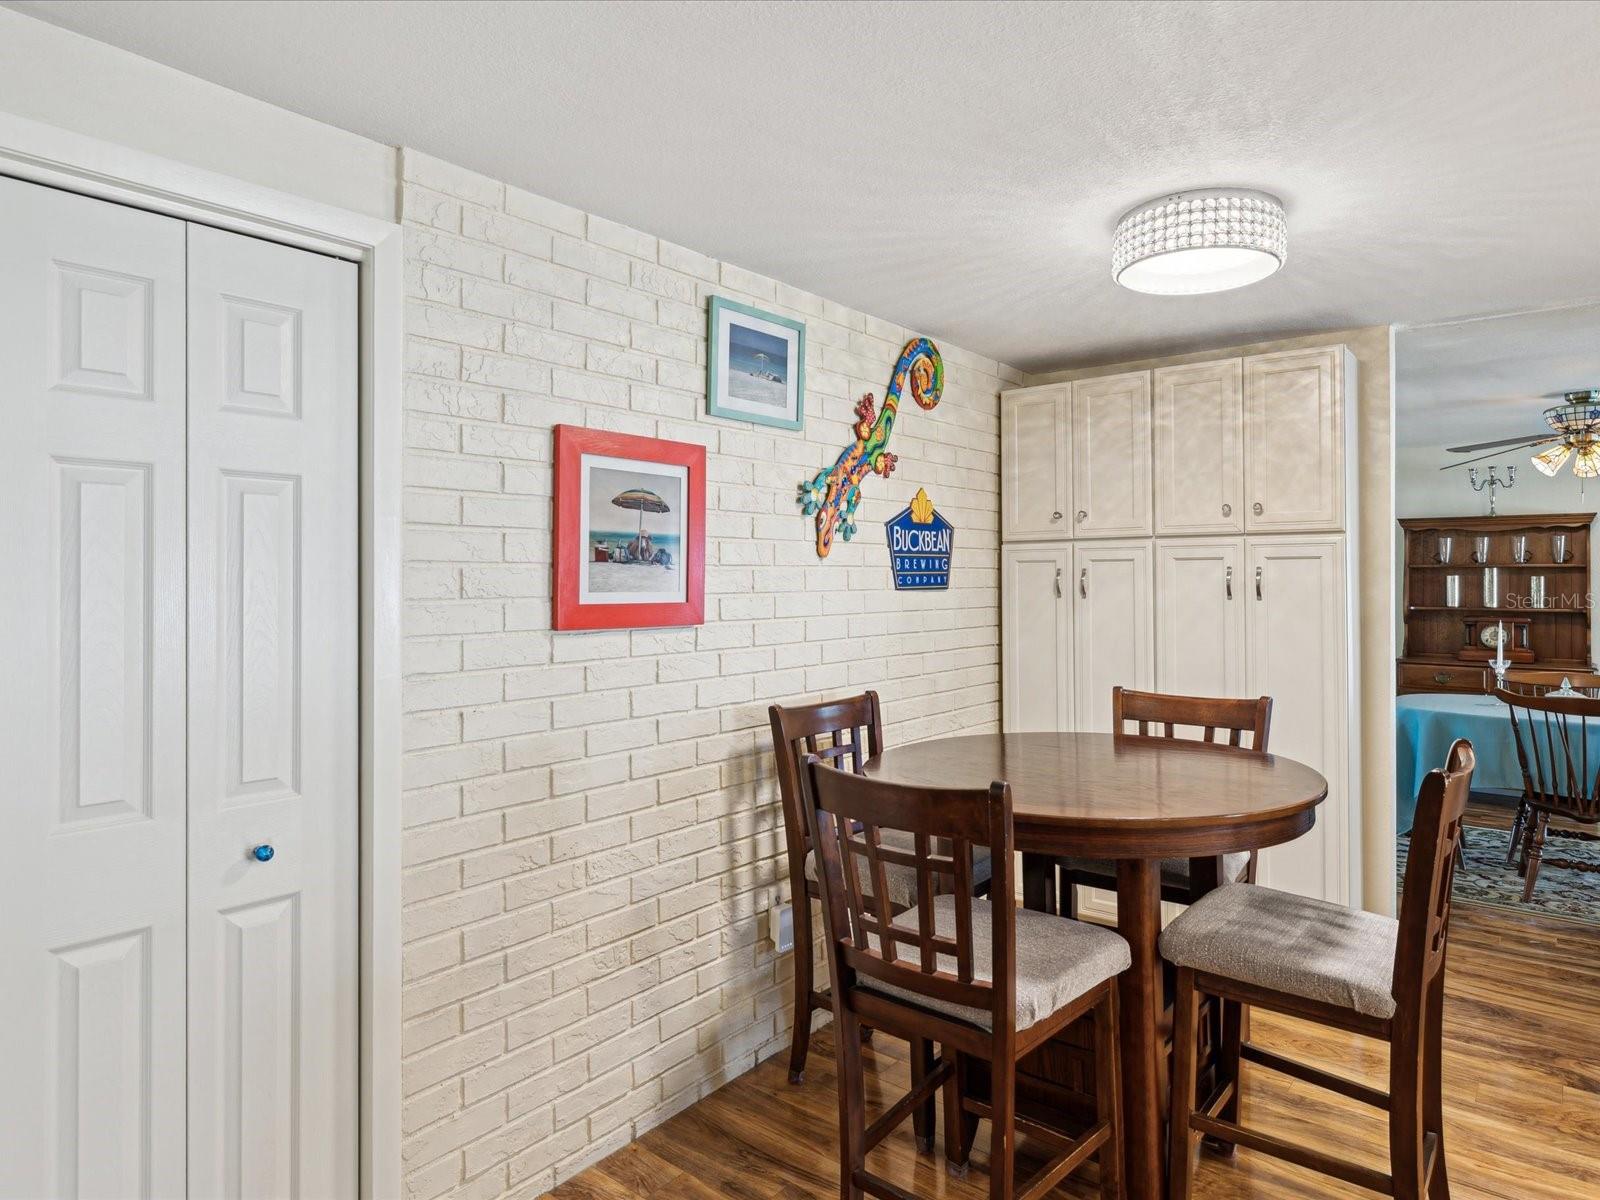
(1111, 627)
(1035, 488)
(1294, 416)
(1201, 593)
(1111, 456)
(1036, 625)
(1199, 448)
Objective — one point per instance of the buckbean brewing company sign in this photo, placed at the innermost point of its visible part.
(920, 541)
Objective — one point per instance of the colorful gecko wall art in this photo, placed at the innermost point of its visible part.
(834, 494)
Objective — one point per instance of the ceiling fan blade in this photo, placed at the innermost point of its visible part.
(1538, 437)
(1496, 454)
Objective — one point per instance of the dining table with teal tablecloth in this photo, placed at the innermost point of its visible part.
(1424, 727)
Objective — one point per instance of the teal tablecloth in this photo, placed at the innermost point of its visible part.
(1424, 727)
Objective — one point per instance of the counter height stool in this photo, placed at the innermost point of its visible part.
(846, 733)
(986, 981)
(1158, 715)
(1339, 967)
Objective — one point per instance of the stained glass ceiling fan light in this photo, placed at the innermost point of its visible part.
(1577, 422)
(1191, 243)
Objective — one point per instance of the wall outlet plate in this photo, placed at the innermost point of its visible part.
(780, 927)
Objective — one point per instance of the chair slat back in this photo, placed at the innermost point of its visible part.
(1552, 734)
(845, 733)
(1215, 716)
(848, 814)
(1430, 873)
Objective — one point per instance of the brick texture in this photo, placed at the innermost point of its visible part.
(593, 835)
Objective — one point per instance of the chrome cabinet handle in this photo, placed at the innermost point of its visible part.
(1055, 516)
(1227, 510)
(1230, 583)
(1257, 509)
(1083, 515)
(1083, 583)
(1058, 583)
(262, 853)
(1258, 583)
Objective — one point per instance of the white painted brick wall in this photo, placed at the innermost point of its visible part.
(593, 829)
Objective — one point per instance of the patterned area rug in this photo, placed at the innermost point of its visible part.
(1486, 879)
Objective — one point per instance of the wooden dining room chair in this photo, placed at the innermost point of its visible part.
(1243, 725)
(988, 982)
(1560, 776)
(847, 733)
(1339, 967)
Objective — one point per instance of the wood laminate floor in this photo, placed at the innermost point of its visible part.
(1522, 1095)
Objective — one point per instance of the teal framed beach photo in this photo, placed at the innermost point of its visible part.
(755, 365)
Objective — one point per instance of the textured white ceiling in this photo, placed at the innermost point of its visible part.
(1476, 381)
(958, 168)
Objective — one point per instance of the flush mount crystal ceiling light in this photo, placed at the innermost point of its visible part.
(1210, 240)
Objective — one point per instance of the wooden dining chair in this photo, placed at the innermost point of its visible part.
(1339, 967)
(1560, 776)
(1542, 678)
(1154, 715)
(988, 982)
(847, 733)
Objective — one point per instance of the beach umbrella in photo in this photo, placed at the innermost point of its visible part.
(644, 501)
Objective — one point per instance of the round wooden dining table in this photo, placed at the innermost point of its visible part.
(1135, 800)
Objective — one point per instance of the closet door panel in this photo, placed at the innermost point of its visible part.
(1299, 655)
(1200, 617)
(1111, 456)
(1036, 629)
(1112, 642)
(272, 618)
(1199, 448)
(92, 710)
(1035, 466)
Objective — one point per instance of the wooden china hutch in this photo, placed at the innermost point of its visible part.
(1451, 628)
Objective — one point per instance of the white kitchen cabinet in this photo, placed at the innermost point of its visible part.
(1295, 409)
(1111, 456)
(1036, 625)
(1035, 463)
(1112, 636)
(1199, 448)
(1200, 603)
(1299, 653)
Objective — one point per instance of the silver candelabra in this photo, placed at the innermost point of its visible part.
(1492, 482)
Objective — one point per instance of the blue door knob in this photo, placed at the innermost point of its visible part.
(263, 853)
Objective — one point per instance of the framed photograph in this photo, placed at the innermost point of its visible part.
(755, 366)
(630, 531)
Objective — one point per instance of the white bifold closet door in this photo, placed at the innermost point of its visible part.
(177, 642)
(273, 974)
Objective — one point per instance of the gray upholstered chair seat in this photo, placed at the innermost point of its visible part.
(1289, 943)
(1174, 871)
(902, 881)
(1057, 960)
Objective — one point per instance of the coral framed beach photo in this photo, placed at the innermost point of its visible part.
(630, 531)
(755, 366)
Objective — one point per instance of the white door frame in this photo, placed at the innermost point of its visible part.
(59, 158)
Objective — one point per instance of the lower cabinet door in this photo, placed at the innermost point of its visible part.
(1200, 617)
(1036, 624)
(1112, 627)
(1299, 654)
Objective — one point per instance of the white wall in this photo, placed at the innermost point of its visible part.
(73, 82)
(594, 829)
